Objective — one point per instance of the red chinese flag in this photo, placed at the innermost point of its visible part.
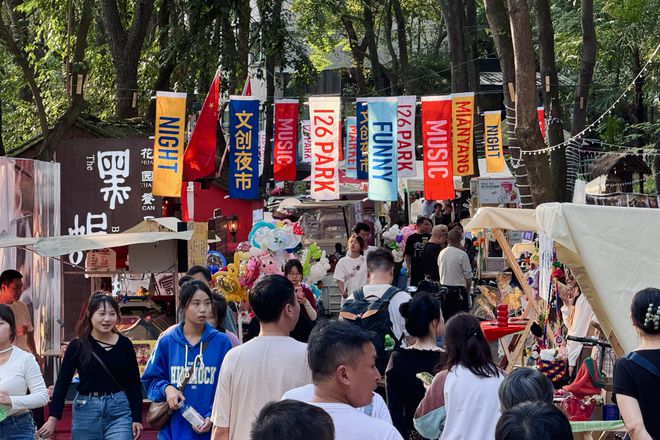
(436, 140)
(286, 140)
(540, 113)
(199, 158)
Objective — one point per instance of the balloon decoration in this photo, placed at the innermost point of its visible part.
(395, 240)
(215, 261)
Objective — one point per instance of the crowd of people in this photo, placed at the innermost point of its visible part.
(393, 366)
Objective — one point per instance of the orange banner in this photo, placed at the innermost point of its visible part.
(462, 114)
(493, 142)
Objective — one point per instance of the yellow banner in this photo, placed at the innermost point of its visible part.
(493, 142)
(462, 110)
(168, 143)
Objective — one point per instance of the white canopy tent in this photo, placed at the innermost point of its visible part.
(613, 252)
(147, 231)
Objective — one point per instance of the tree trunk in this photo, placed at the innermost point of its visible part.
(243, 37)
(402, 41)
(454, 19)
(125, 48)
(498, 21)
(587, 63)
(167, 58)
(527, 126)
(358, 52)
(78, 103)
(380, 82)
(395, 72)
(550, 92)
(470, 38)
(638, 110)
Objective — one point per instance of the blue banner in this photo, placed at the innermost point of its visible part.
(243, 148)
(351, 147)
(362, 112)
(383, 149)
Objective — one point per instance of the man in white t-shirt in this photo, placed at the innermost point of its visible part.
(380, 268)
(262, 369)
(455, 273)
(343, 363)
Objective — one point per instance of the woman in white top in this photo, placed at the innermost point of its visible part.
(462, 401)
(19, 372)
(351, 270)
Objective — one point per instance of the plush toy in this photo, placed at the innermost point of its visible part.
(319, 270)
(269, 265)
(312, 253)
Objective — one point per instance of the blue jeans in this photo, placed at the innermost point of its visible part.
(102, 418)
(19, 427)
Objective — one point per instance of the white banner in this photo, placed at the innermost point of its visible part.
(406, 136)
(324, 114)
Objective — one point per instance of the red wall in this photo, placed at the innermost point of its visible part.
(206, 200)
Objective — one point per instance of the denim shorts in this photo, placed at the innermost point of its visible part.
(102, 418)
(20, 427)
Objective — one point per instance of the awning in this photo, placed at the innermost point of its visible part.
(147, 231)
(613, 251)
(503, 218)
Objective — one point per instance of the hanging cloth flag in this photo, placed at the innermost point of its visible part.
(199, 159)
(462, 119)
(247, 87)
(540, 113)
(362, 112)
(286, 140)
(493, 142)
(406, 136)
(383, 183)
(351, 147)
(305, 134)
(168, 144)
(325, 133)
(243, 147)
(436, 142)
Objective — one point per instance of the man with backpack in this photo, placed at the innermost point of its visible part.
(375, 306)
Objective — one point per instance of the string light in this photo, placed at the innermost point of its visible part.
(597, 121)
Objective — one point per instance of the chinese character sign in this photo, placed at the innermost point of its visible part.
(351, 147)
(114, 168)
(406, 136)
(325, 133)
(243, 147)
(168, 143)
(462, 118)
(286, 140)
(382, 149)
(436, 141)
(362, 112)
(493, 142)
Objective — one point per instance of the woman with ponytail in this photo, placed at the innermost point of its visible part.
(404, 390)
(108, 405)
(637, 376)
(462, 401)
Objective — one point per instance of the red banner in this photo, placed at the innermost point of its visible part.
(540, 113)
(436, 140)
(286, 140)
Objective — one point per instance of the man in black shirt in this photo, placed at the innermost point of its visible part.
(415, 250)
(436, 243)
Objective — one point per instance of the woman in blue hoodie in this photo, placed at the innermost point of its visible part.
(193, 341)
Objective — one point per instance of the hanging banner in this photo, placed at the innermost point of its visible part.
(362, 112)
(243, 147)
(351, 147)
(305, 127)
(462, 110)
(405, 127)
(285, 140)
(168, 143)
(540, 113)
(436, 142)
(493, 142)
(325, 133)
(383, 184)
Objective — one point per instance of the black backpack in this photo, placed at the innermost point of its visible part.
(373, 315)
